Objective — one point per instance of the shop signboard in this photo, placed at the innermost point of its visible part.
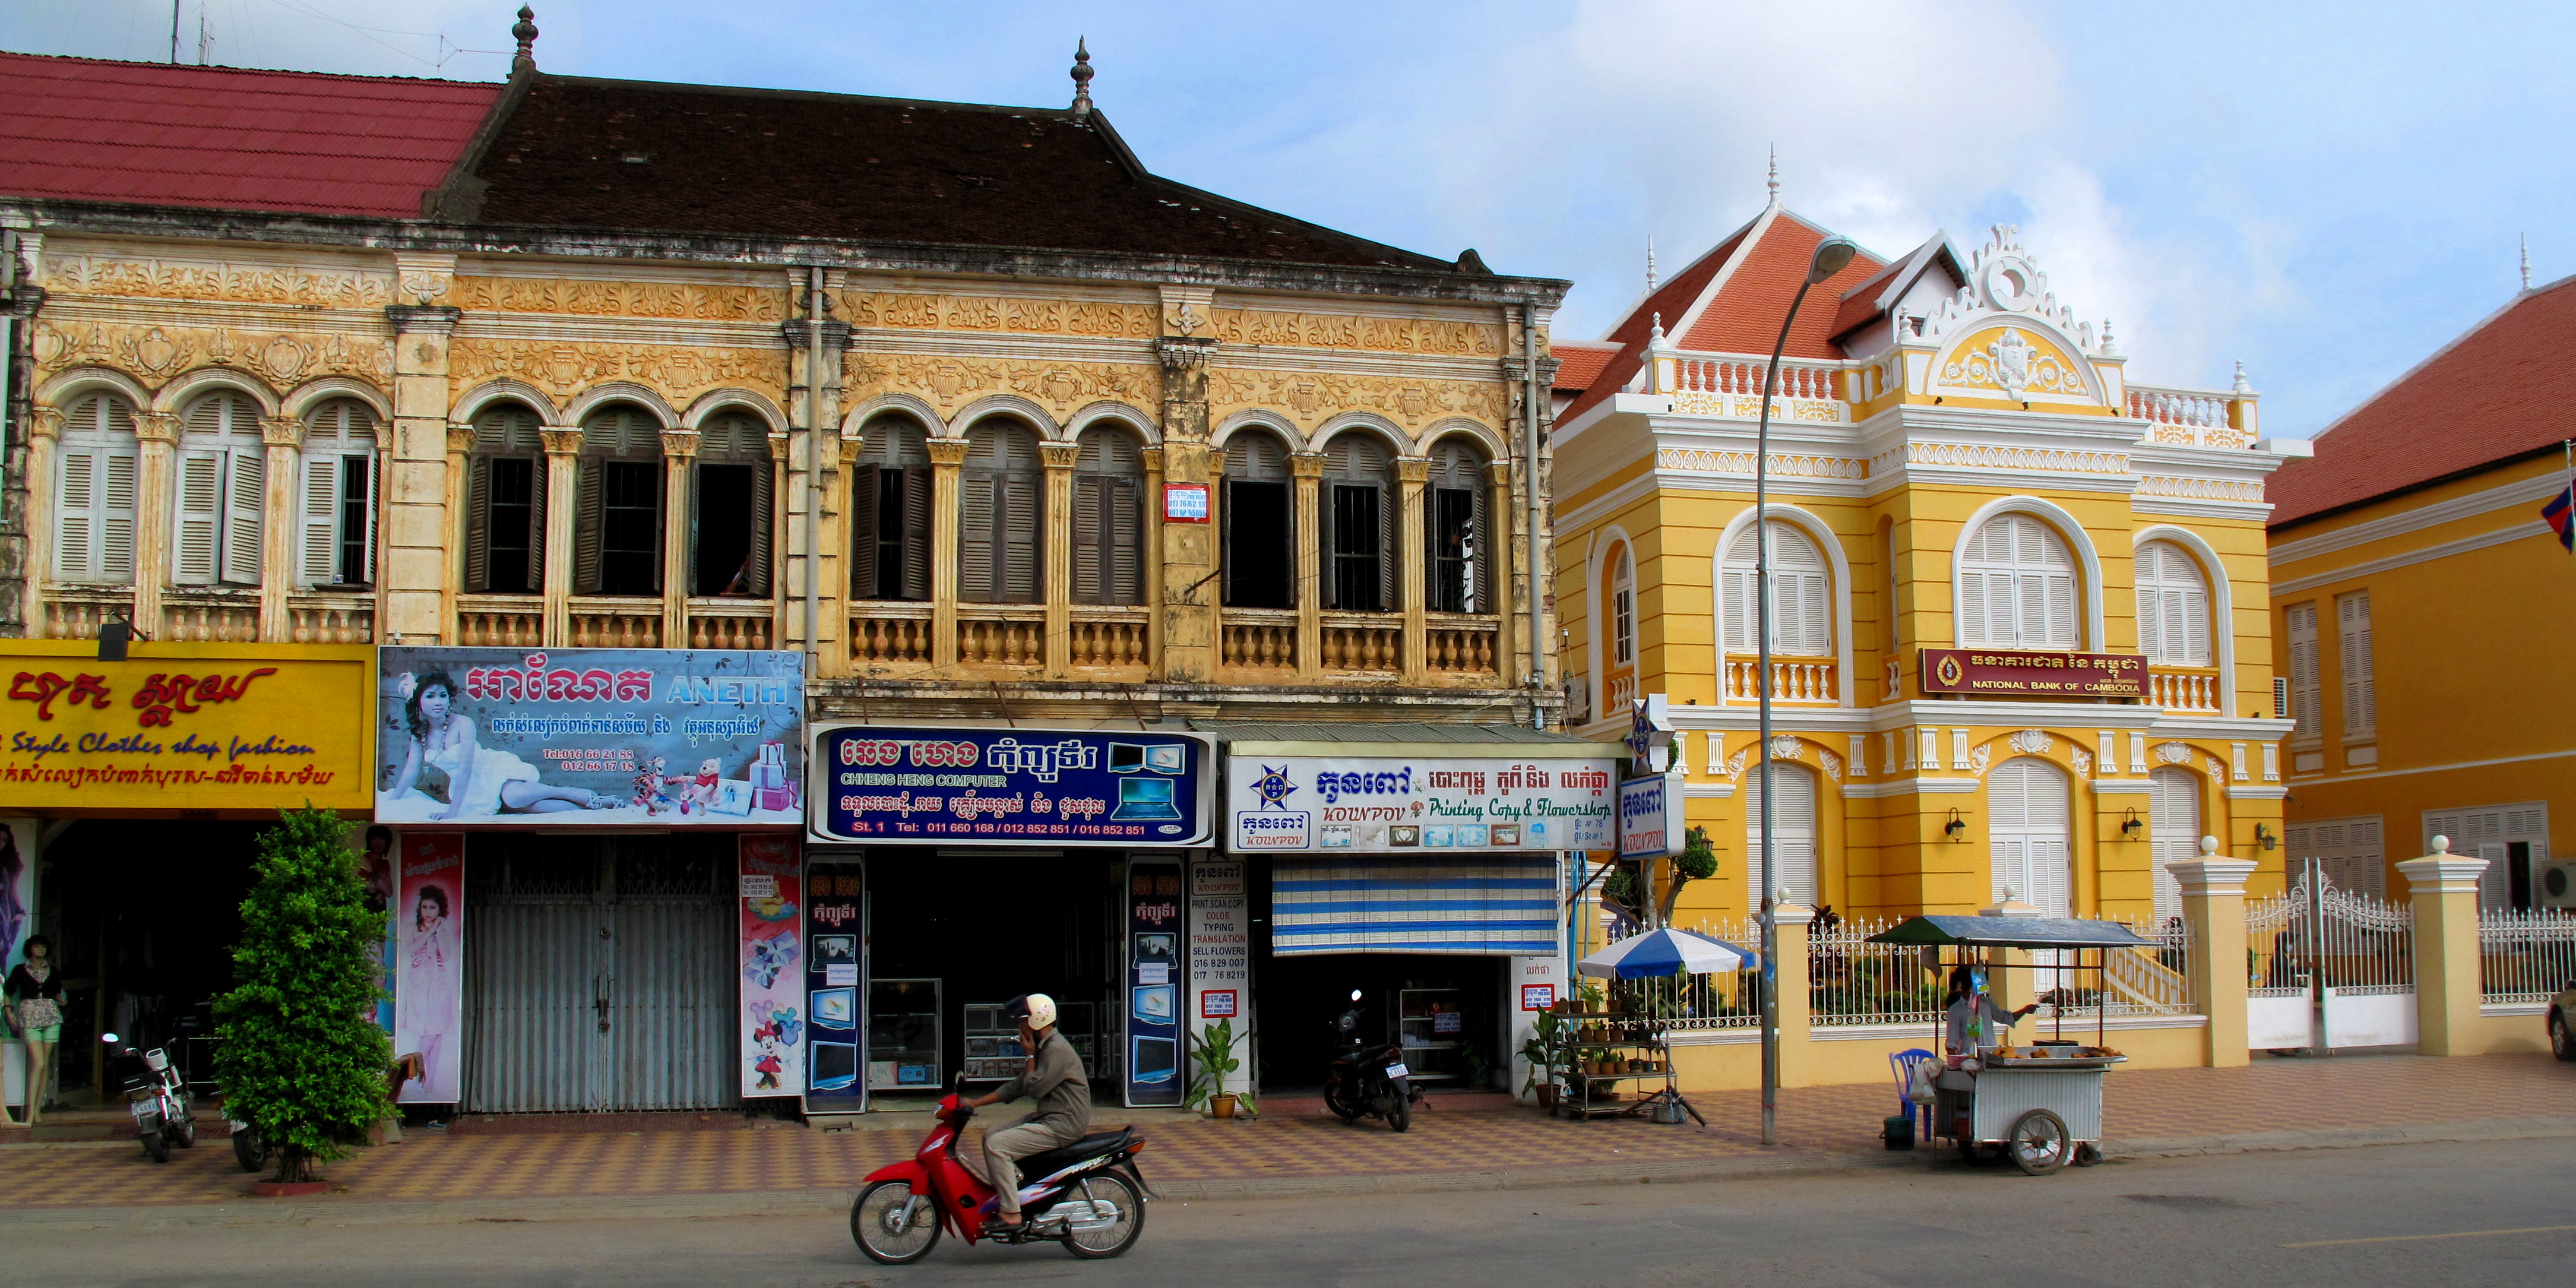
(623, 738)
(1650, 817)
(888, 785)
(429, 954)
(770, 902)
(835, 979)
(1405, 805)
(2016, 673)
(249, 727)
(1157, 980)
(1220, 957)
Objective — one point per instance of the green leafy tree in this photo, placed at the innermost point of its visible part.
(302, 1060)
(1696, 862)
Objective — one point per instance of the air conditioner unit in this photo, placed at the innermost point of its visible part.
(2558, 885)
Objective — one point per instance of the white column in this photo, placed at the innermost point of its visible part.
(2137, 754)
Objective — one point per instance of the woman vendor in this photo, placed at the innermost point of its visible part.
(1971, 1019)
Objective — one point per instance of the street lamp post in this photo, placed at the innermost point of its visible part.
(1832, 256)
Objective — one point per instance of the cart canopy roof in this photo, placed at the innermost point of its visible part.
(2012, 932)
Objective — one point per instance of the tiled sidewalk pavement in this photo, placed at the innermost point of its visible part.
(2272, 1096)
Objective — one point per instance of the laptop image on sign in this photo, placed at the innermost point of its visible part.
(1147, 800)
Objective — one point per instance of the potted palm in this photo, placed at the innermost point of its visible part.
(1212, 1058)
(1540, 1051)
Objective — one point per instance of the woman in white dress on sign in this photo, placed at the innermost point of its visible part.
(480, 779)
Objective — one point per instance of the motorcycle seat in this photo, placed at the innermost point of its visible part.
(1063, 1156)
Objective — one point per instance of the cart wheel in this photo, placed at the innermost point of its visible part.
(2038, 1143)
(2087, 1154)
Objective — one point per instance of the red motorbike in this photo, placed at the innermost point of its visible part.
(1088, 1196)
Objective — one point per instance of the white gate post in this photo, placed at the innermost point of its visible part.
(2213, 906)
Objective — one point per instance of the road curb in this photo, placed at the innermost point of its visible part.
(356, 1210)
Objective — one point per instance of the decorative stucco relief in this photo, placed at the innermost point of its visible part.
(620, 299)
(1826, 411)
(676, 372)
(159, 279)
(1990, 456)
(1313, 396)
(1702, 460)
(1348, 331)
(153, 354)
(951, 383)
(2199, 489)
(1106, 318)
(2014, 363)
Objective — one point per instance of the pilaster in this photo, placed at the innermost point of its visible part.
(158, 435)
(814, 418)
(1412, 475)
(1791, 991)
(1056, 549)
(1155, 631)
(421, 507)
(679, 456)
(1185, 639)
(1500, 567)
(281, 438)
(2447, 986)
(2213, 907)
(44, 435)
(563, 499)
(460, 444)
(947, 455)
(1306, 470)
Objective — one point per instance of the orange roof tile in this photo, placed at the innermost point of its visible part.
(2504, 388)
(1745, 316)
(1580, 362)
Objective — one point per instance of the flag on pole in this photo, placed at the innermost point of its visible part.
(2561, 515)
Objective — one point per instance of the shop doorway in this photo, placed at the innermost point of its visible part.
(954, 934)
(599, 972)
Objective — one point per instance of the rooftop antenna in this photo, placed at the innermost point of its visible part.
(1081, 76)
(205, 40)
(1775, 174)
(1650, 263)
(2526, 261)
(174, 32)
(525, 31)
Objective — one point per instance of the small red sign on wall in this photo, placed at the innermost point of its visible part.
(1185, 503)
(1216, 1004)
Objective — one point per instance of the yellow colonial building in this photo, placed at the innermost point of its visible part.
(2020, 643)
(2423, 605)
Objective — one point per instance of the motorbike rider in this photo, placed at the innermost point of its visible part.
(1054, 1080)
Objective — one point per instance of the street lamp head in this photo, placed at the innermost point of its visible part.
(1833, 255)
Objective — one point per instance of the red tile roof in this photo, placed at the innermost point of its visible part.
(1580, 362)
(1745, 316)
(2504, 388)
(90, 129)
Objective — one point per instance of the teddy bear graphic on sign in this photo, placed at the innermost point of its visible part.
(701, 791)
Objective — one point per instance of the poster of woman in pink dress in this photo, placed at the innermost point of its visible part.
(429, 1000)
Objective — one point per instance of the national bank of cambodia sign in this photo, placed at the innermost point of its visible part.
(2015, 673)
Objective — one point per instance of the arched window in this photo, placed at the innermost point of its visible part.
(1793, 837)
(339, 520)
(1460, 539)
(1359, 524)
(1001, 497)
(1623, 609)
(1108, 518)
(729, 508)
(1260, 526)
(2017, 586)
(2026, 798)
(505, 503)
(2173, 606)
(94, 500)
(2173, 832)
(890, 511)
(222, 483)
(1802, 616)
(617, 525)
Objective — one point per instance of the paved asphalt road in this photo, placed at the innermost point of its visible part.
(2491, 1213)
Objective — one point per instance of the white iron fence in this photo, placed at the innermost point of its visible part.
(2525, 956)
(2153, 980)
(1853, 981)
(1726, 1000)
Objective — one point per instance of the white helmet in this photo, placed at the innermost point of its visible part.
(1036, 1008)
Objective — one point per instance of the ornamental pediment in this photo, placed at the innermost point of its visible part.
(2017, 362)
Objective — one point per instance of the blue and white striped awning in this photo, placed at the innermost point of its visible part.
(1470, 903)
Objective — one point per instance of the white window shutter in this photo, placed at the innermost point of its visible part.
(1739, 610)
(245, 505)
(116, 517)
(976, 498)
(76, 516)
(198, 531)
(1972, 609)
(319, 548)
(2151, 634)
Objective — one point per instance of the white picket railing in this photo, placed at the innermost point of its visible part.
(2525, 956)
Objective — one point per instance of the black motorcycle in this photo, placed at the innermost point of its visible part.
(1368, 1080)
(157, 1097)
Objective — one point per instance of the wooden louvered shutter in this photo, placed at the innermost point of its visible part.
(2192, 606)
(245, 504)
(1125, 540)
(478, 523)
(76, 516)
(916, 532)
(2152, 622)
(319, 551)
(540, 478)
(198, 531)
(1389, 576)
(1024, 500)
(1089, 513)
(589, 515)
(864, 538)
(1481, 555)
(763, 496)
(976, 506)
(2360, 689)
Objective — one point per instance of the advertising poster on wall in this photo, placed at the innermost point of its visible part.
(1391, 804)
(1157, 975)
(17, 889)
(1220, 965)
(1046, 787)
(590, 737)
(429, 990)
(376, 870)
(771, 904)
(836, 930)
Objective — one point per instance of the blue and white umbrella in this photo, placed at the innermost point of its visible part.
(1658, 953)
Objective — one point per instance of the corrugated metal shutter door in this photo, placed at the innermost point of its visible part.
(534, 1032)
(1481, 903)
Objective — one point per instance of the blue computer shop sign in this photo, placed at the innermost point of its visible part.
(886, 785)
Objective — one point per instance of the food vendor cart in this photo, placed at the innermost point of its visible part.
(2039, 1105)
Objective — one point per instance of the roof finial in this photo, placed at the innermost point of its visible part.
(526, 32)
(1650, 264)
(1081, 76)
(1657, 334)
(2526, 261)
(1775, 174)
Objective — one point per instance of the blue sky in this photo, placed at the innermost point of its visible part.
(2326, 192)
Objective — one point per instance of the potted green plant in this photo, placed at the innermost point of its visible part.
(1540, 1051)
(1212, 1058)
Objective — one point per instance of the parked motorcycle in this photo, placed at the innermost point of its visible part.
(1368, 1079)
(158, 1098)
(1089, 1196)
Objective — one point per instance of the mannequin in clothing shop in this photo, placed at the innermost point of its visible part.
(33, 997)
